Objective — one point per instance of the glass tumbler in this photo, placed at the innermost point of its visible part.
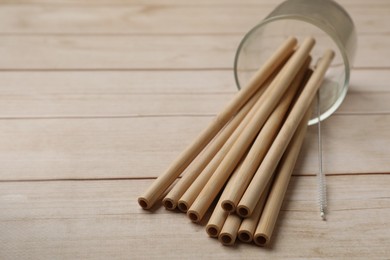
(327, 22)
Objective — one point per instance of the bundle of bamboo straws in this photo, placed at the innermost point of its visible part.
(248, 152)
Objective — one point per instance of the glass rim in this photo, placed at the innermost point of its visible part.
(328, 32)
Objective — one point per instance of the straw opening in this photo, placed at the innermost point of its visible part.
(193, 216)
(182, 206)
(143, 203)
(243, 212)
(228, 206)
(212, 231)
(168, 204)
(226, 239)
(244, 236)
(261, 240)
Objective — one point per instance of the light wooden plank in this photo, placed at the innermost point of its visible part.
(119, 52)
(375, 80)
(365, 103)
(144, 147)
(125, 82)
(146, 93)
(130, 19)
(83, 94)
(101, 219)
(362, 3)
(368, 92)
(350, 145)
(93, 148)
(147, 52)
(152, 82)
(98, 105)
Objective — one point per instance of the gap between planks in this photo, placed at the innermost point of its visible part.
(143, 53)
(145, 69)
(143, 18)
(54, 70)
(153, 178)
(163, 116)
(164, 3)
(76, 219)
(131, 148)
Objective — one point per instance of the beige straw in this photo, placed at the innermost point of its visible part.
(269, 100)
(196, 187)
(217, 219)
(248, 225)
(149, 198)
(271, 210)
(263, 175)
(196, 167)
(262, 143)
(229, 230)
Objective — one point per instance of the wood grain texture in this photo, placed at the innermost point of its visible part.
(113, 82)
(153, 82)
(348, 3)
(136, 52)
(131, 18)
(131, 147)
(100, 219)
(115, 89)
(153, 93)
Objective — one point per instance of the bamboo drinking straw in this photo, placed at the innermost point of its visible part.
(274, 202)
(229, 230)
(197, 166)
(248, 225)
(267, 167)
(196, 187)
(269, 100)
(216, 221)
(219, 215)
(149, 198)
(262, 143)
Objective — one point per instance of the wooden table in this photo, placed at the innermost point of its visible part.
(98, 97)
